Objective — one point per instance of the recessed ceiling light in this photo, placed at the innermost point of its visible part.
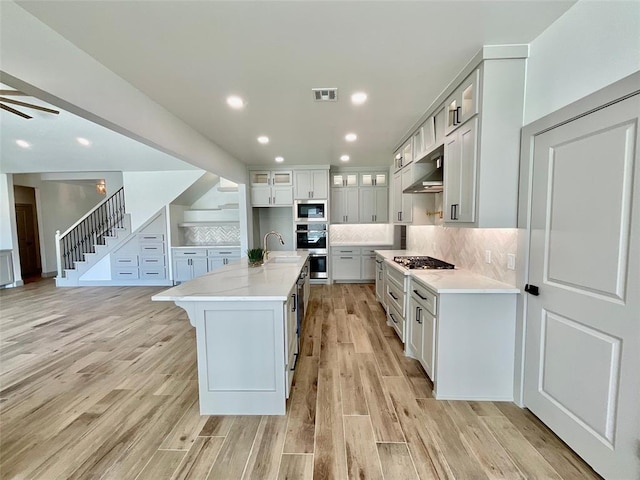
(350, 137)
(83, 141)
(23, 144)
(263, 139)
(235, 102)
(279, 159)
(359, 98)
(344, 158)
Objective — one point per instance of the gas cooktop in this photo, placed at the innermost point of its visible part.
(425, 263)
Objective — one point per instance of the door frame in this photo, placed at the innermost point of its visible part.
(598, 100)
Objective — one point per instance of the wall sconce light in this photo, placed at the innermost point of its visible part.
(101, 188)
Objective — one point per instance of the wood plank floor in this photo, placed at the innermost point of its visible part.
(101, 383)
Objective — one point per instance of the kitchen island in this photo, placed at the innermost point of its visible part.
(246, 333)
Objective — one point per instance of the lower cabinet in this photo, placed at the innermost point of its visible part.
(381, 273)
(354, 263)
(193, 262)
(464, 341)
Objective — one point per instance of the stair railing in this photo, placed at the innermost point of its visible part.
(90, 230)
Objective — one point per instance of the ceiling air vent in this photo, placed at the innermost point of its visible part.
(325, 94)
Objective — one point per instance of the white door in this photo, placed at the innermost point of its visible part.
(582, 364)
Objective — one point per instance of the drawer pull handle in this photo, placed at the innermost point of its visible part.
(393, 318)
(418, 294)
(393, 296)
(346, 258)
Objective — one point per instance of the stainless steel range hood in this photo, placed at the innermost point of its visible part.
(432, 181)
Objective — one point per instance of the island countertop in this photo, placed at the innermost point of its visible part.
(239, 282)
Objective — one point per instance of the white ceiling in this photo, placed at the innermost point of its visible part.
(188, 56)
(54, 147)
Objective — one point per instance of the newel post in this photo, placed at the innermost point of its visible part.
(58, 258)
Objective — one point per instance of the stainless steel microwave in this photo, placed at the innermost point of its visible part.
(311, 210)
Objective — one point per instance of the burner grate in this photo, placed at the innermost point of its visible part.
(423, 262)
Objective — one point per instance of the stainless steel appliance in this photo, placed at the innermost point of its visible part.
(311, 210)
(424, 263)
(313, 238)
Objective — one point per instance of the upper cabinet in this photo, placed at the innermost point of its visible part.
(479, 122)
(462, 104)
(271, 188)
(311, 184)
(404, 156)
(374, 179)
(344, 179)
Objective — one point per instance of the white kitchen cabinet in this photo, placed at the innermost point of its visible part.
(462, 104)
(311, 184)
(381, 273)
(374, 179)
(424, 139)
(374, 205)
(291, 339)
(189, 264)
(218, 257)
(345, 263)
(368, 267)
(6, 267)
(271, 188)
(466, 344)
(404, 156)
(344, 179)
(344, 205)
(439, 126)
(460, 174)
(403, 202)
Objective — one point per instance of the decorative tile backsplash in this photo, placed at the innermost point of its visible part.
(368, 233)
(465, 248)
(227, 234)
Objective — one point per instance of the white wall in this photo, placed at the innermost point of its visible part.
(46, 65)
(6, 212)
(60, 205)
(594, 44)
(147, 192)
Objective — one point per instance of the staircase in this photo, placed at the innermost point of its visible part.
(91, 238)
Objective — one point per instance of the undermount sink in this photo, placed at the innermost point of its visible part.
(284, 259)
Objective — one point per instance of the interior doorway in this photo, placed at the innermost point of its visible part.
(27, 230)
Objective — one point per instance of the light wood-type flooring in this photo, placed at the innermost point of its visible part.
(101, 383)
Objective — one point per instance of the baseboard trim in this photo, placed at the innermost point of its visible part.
(49, 274)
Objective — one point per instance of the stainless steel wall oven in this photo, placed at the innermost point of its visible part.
(313, 238)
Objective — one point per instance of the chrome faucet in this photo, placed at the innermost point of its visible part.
(266, 237)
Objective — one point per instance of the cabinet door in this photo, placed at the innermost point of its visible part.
(397, 196)
(407, 198)
(428, 135)
(282, 178)
(367, 204)
(380, 274)
(368, 267)
(344, 179)
(407, 154)
(200, 266)
(428, 357)
(320, 181)
(468, 97)
(215, 263)
(439, 126)
(414, 326)
(337, 205)
(375, 179)
(303, 185)
(182, 271)
(282, 195)
(460, 174)
(260, 196)
(352, 205)
(418, 143)
(345, 267)
(260, 178)
(381, 211)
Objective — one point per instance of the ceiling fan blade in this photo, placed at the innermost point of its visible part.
(13, 92)
(28, 105)
(12, 110)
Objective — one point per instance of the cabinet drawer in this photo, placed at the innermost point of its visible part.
(395, 297)
(345, 251)
(150, 237)
(129, 273)
(426, 298)
(223, 252)
(396, 277)
(196, 252)
(152, 261)
(152, 249)
(125, 261)
(371, 250)
(153, 273)
(345, 267)
(397, 321)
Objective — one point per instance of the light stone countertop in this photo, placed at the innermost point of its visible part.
(213, 245)
(448, 281)
(359, 244)
(239, 282)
